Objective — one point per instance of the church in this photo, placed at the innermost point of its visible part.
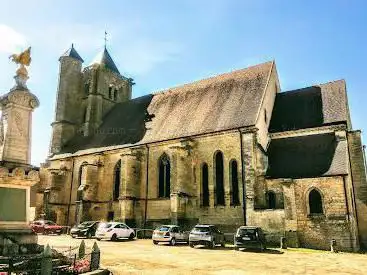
(229, 150)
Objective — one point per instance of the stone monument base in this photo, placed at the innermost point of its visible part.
(17, 241)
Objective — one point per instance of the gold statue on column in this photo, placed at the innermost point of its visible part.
(24, 59)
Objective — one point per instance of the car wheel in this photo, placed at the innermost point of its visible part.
(114, 238)
(89, 235)
(155, 242)
(132, 236)
(212, 244)
(223, 244)
(73, 236)
(261, 247)
(98, 239)
(191, 245)
(173, 242)
(236, 248)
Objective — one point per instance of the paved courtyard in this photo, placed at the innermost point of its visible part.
(142, 257)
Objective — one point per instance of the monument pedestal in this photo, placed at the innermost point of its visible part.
(16, 235)
(16, 174)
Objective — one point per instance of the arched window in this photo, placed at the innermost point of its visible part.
(219, 179)
(235, 200)
(115, 94)
(315, 202)
(85, 114)
(164, 177)
(86, 88)
(110, 92)
(204, 185)
(116, 181)
(271, 199)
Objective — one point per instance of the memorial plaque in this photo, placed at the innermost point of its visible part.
(13, 205)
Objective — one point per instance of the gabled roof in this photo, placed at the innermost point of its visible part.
(309, 107)
(307, 157)
(72, 53)
(219, 103)
(104, 58)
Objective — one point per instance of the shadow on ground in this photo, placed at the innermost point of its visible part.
(266, 251)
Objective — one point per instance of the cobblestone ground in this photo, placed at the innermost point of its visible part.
(142, 257)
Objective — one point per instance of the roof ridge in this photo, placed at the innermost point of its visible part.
(264, 90)
(176, 88)
(312, 85)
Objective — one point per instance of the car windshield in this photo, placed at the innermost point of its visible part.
(201, 229)
(247, 231)
(85, 224)
(163, 228)
(105, 225)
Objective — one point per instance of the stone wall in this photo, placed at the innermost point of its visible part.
(184, 205)
(359, 183)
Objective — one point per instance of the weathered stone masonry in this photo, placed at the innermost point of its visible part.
(226, 150)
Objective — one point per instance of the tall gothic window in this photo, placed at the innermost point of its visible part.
(204, 185)
(115, 94)
(315, 202)
(271, 199)
(219, 179)
(235, 199)
(110, 92)
(86, 88)
(116, 181)
(164, 177)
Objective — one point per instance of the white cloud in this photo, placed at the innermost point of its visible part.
(11, 40)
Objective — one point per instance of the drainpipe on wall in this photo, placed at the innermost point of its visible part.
(71, 189)
(146, 189)
(243, 181)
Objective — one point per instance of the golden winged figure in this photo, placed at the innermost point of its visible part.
(23, 58)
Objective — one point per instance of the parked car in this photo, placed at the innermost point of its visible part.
(46, 227)
(114, 231)
(170, 233)
(85, 229)
(249, 237)
(208, 235)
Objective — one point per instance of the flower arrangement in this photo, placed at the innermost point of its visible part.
(81, 266)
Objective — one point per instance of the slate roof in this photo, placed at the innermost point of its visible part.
(307, 156)
(72, 53)
(222, 102)
(105, 59)
(310, 107)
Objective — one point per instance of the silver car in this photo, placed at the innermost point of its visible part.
(171, 234)
(208, 235)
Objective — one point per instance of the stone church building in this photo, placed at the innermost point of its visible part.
(227, 150)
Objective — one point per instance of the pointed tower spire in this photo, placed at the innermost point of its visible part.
(105, 59)
(72, 53)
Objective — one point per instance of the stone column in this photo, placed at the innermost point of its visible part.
(129, 189)
(249, 173)
(290, 214)
(180, 191)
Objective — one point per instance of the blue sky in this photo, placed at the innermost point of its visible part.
(166, 43)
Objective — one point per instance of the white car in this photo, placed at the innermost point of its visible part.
(114, 231)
